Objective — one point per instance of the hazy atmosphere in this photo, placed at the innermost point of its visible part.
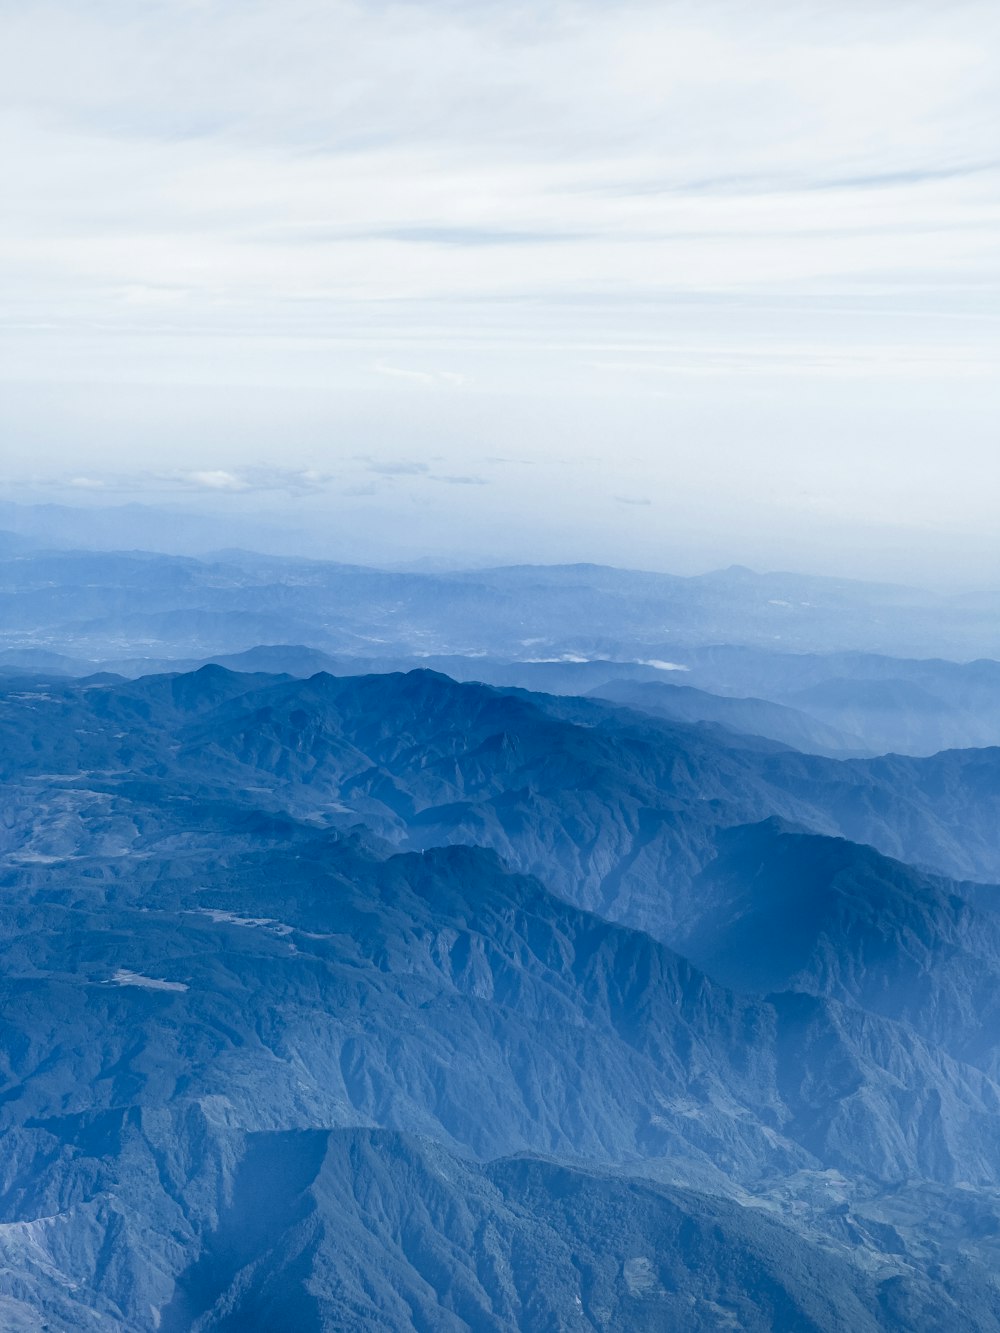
(499, 667)
(662, 285)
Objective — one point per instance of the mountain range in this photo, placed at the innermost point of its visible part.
(92, 603)
(397, 1001)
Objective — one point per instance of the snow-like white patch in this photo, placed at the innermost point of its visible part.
(123, 977)
(258, 922)
(777, 601)
(660, 665)
(36, 858)
(640, 1276)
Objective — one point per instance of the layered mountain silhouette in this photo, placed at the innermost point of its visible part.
(756, 717)
(88, 603)
(781, 909)
(397, 1002)
(164, 1026)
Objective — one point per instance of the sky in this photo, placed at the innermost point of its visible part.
(670, 285)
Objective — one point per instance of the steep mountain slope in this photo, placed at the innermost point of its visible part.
(899, 714)
(759, 717)
(261, 1068)
(780, 909)
(572, 1035)
(529, 1243)
(180, 1035)
(909, 706)
(467, 763)
(616, 811)
(831, 703)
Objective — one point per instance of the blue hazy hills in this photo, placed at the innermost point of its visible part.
(394, 1001)
(760, 653)
(93, 603)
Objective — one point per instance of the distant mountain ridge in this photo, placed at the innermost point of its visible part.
(467, 758)
(89, 603)
(758, 717)
(834, 704)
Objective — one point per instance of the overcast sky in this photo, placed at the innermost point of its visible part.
(670, 285)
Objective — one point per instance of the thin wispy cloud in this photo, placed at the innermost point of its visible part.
(416, 131)
(660, 236)
(430, 379)
(240, 481)
(215, 480)
(396, 468)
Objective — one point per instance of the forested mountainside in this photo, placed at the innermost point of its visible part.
(392, 1001)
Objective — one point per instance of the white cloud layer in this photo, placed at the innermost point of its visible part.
(738, 258)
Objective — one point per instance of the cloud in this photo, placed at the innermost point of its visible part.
(459, 480)
(476, 236)
(399, 468)
(290, 481)
(439, 176)
(633, 500)
(142, 295)
(429, 378)
(259, 480)
(450, 152)
(872, 359)
(214, 480)
(255, 230)
(401, 373)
